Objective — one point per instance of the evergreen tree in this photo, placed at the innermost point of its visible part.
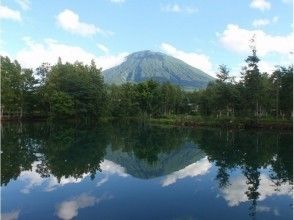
(252, 80)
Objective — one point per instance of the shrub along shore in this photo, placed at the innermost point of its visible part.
(185, 121)
(234, 123)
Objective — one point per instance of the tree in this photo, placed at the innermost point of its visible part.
(223, 74)
(286, 91)
(28, 91)
(81, 85)
(252, 80)
(148, 96)
(171, 98)
(123, 102)
(11, 87)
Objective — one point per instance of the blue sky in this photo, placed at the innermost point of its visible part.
(203, 33)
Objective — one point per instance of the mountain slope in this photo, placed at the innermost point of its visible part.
(144, 65)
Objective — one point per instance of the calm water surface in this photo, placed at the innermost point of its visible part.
(139, 171)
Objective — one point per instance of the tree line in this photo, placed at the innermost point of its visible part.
(66, 90)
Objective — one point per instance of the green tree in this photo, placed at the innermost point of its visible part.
(11, 82)
(251, 79)
(223, 74)
(80, 85)
(286, 91)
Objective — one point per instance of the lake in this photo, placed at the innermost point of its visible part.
(141, 171)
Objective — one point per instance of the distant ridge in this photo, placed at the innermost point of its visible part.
(145, 65)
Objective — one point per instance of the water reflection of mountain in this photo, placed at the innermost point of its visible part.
(166, 163)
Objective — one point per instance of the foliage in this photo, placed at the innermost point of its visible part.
(78, 91)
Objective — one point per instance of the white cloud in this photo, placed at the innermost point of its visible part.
(24, 4)
(70, 21)
(260, 22)
(179, 8)
(117, 1)
(33, 179)
(34, 54)
(102, 181)
(265, 66)
(260, 4)
(275, 211)
(196, 60)
(237, 39)
(103, 48)
(69, 209)
(260, 208)
(195, 169)
(109, 61)
(9, 14)
(13, 215)
(287, 1)
(110, 167)
(275, 19)
(263, 22)
(234, 194)
(53, 183)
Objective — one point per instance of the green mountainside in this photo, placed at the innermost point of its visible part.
(145, 65)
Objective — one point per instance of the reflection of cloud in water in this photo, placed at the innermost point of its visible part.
(110, 167)
(33, 179)
(234, 194)
(102, 181)
(53, 182)
(198, 168)
(260, 208)
(275, 211)
(13, 215)
(69, 209)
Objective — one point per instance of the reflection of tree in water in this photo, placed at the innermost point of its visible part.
(73, 151)
(18, 151)
(252, 175)
(250, 150)
(282, 161)
(147, 141)
(220, 149)
(63, 150)
(223, 177)
(70, 150)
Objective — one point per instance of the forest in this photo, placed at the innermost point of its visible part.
(78, 91)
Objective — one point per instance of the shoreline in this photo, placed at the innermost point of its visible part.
(226, 123)
(182, 121)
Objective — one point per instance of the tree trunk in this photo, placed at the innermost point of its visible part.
(256, 110)
(20, 114)
(227, 111)
(2, 110)
(277, 104)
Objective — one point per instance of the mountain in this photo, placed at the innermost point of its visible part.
(144, 65)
